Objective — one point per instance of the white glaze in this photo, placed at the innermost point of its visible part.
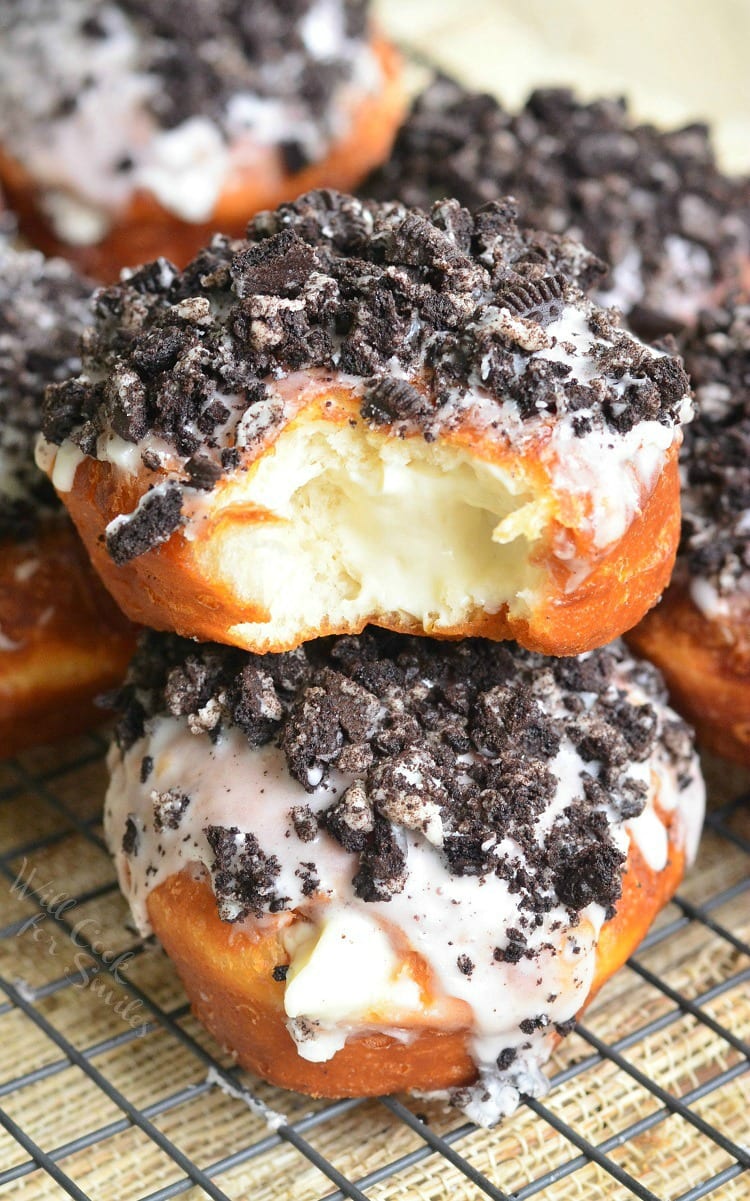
(66, 464)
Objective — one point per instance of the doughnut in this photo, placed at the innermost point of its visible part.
(364, 414)
(699, 635)
(651, 203)
(385, 862)
(136, 128)
(62, 638)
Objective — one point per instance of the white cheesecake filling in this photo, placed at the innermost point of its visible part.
(359, 523)
(343, 969)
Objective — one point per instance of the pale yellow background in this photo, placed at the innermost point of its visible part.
(677, 60)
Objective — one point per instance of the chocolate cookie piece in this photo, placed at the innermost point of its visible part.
(651, 203)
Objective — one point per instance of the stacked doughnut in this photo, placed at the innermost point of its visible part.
(364, 413)
(62, 639)
(135, 128)
(328, 462)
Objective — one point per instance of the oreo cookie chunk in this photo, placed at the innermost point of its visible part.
(652, 204)
(43, 311)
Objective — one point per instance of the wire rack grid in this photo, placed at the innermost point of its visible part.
(109, 1088)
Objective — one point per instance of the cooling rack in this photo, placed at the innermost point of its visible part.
(110, 1089)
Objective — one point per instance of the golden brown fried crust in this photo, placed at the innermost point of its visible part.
(64, 640)
(146, 230)
(166, 588)
(707, 668)
(228, 976)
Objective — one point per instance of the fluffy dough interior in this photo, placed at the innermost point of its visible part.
(334, 524)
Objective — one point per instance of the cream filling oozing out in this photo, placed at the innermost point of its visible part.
(76, 158)
(340, 937)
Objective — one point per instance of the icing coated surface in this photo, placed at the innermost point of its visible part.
(477, 802)
(100, 100)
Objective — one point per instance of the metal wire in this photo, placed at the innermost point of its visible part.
(43, 786)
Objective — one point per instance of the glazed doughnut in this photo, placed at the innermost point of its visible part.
(386, 862)
(365, 414)
(700, 633)
(62, 639)
(651, 203)
(136, 128)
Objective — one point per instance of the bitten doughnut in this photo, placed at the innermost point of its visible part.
(134, 128)
(62, 639)
(388, 863)
(699, 635)
(365, 414)
(651, 203)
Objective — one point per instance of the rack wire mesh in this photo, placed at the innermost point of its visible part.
(109, 1088)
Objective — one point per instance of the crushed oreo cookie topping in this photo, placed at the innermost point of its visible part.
(43, 310)
(715, 545)
(202, 55)
(455, 742)
(651, 203)
(486, 321)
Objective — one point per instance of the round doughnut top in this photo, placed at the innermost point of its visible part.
(653, 204)
(101, 100)
(43, 309)
(198, 54)
(462, 742)
(716, 453)
(437, 319)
